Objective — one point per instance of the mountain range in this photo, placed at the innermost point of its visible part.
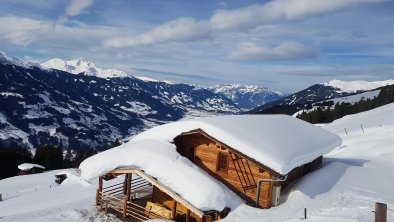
(318, 93)
(75, 104)
(50, 106)
(247, 96)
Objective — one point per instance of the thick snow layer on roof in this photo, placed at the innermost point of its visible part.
(279, 142)
(28, 166)
(161, 160)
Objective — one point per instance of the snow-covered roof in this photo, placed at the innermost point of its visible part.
(160, 160)
(28, 166)
(279, 142)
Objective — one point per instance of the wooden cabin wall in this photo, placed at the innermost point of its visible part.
(165, 200)
(205, 156)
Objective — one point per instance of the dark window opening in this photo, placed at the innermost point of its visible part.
(222, 164)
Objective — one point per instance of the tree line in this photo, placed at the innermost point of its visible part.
(52, 157)
(327, 115)
(49, 156)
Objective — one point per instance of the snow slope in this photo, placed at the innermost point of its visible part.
(77, 66)
(38, 198)
(354, 86)
(346, 99)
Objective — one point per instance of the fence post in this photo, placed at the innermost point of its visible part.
(1, 198)
(345, 131)
(362, 129)
(305, 214)
(380, 212)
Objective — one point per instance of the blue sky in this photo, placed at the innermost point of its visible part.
(285, 45)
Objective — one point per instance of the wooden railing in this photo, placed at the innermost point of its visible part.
(113, 197)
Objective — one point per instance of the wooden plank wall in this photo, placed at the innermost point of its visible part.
(165, 200)
(205, 156)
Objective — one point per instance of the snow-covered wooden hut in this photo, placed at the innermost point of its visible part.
(30, 168)
(202, 168)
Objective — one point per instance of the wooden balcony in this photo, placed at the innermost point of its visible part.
(142, 198)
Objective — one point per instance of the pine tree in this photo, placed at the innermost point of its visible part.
(10, 158)
(51, 157)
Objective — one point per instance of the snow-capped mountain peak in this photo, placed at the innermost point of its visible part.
(148, 79)
(77, 66)
(247, 96)
(356, 86)
(5, 58)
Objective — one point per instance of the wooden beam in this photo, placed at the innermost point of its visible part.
(207, 218)
(187, 215)
(128, 187)
(124, 213)
(125, 183)
(99, 190)
(173, 209)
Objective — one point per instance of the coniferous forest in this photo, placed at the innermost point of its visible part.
(327, 115)
(49, 156)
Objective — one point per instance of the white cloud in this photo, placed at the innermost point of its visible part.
(19, 31)
(182, 29)
(26, 31)
(188, 29)
(76, 7)
(249, 51)
(278, 11)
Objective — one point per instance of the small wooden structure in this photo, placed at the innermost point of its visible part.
(238, 171)
(60, 177)
(141, 197)
(30, 168)
(380, 212)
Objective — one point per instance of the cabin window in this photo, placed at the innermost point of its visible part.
(222, 161)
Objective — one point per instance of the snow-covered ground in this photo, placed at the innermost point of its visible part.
(38, 198)
(354, 177)
(354, 86)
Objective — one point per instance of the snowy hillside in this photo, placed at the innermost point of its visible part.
(317, 93)
(352, 179)
(8, 59)
(247, 96)
(330, 103)
(82, 65)
(355, 86)
(48, 106)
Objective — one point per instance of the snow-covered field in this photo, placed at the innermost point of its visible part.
(354, 177)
